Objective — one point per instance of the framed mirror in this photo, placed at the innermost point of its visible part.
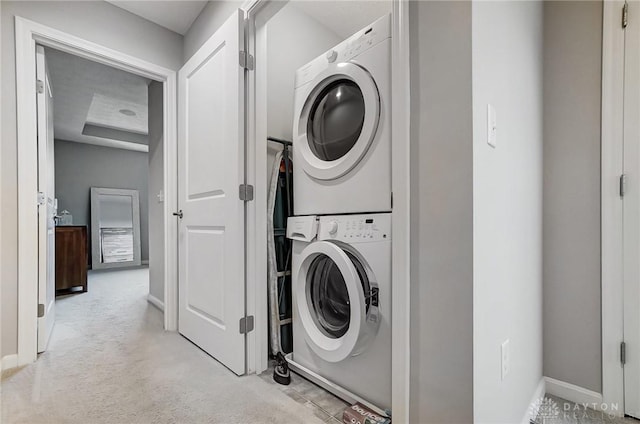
(115, 228)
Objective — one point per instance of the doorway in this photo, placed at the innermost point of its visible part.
(621, 208)
(259, 151)
(100, 166)
(630, 194)
(28, 35)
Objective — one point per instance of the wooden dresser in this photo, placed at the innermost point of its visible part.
(71, 257)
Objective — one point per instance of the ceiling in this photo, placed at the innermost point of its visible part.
(176, 15)
(340, 16)
(344, 17)
(97, 104)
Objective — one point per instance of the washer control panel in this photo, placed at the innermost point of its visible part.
(355, 228)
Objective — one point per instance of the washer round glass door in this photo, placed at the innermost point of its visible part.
(333, 296)
(338, 121)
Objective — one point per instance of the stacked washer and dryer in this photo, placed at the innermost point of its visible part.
(341, 231)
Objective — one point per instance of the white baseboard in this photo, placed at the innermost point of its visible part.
(155, 302)
(573, 393)
(532, 409)
(8, 362)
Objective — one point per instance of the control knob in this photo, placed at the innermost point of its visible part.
(333, 228)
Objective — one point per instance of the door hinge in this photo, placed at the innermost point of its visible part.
(246, 324)
(41, 198)
(623, 353)
(246, 60)
(40, 310)
(39, 86)
(246, 192)
(625, 15)
(623, 185)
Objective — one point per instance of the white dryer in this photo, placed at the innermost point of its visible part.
(342, 127)
(341, 289)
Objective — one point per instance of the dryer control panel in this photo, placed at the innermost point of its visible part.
(358, 43)
(355, 228)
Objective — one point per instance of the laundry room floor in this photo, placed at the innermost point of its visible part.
(556, 410)
(110, 361)
(323, 404)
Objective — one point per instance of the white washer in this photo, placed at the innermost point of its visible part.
(342, 127)
(341, 289)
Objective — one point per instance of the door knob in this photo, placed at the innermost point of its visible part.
(178, 214)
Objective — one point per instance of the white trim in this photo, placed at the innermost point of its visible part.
(8, 362)
(115, 144)
(155, 302)
(170, 177)
(27, 33)
(400, 223)
(256, 227)
(532, 409)
(611, 169)
(1, 188)
(573, 393)
(256, 162)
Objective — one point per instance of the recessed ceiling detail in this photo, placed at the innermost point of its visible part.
(115, 112)
(114, 134)
(88, 98)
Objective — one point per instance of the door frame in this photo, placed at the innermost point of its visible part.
(257, 344)
(612, 302)
(27, 34)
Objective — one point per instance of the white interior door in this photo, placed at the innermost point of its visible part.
(211, 167)
(631, 213)
(47, 208)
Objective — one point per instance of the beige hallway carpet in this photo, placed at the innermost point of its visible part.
(110, 361)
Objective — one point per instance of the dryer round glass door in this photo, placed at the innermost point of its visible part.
(338, 122)
(337, 301)
(335, 120)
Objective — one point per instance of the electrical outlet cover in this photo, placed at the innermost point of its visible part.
(492, 127)
(505, 359)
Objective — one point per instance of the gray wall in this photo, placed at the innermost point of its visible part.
(441, 213)
(101, 23)
(313, 39)
(80, 166)
(156, 186)
(507, 207)
(572, 91)
(214, 14)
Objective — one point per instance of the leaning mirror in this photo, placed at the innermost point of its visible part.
(115, 228)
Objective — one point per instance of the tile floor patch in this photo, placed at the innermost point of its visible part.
(314, 397)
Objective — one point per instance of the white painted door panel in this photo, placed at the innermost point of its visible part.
(48, 209)
(210, 171)
(631, 213)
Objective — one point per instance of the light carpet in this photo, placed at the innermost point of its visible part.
(110, 361)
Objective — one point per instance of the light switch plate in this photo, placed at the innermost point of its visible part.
(492, 127)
